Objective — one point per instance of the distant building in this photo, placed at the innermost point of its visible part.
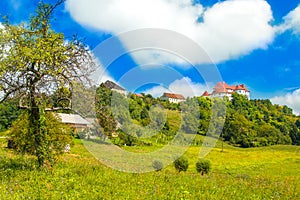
(222, 89)
(173, 98)
(139, 95)
(76, 122)
(115, 87)
(205, 94)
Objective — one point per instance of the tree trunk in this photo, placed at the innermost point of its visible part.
(34, 126)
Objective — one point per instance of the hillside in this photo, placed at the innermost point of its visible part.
(240, 122)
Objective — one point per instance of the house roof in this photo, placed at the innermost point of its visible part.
(242, 87)
(205, 94)
(174, 96)
(139, 95)
(72, 119)
(111, 85)
(92, 122)
(222, 87)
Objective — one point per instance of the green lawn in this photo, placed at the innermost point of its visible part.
(259, 173)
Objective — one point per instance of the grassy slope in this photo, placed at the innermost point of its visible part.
(262, 173)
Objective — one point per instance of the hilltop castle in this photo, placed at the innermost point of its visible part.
(222, 89)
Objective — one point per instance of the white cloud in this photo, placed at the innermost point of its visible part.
(183, 86)
(291, 22)
(156, 91)
(229, 29)
(292, 100)
(100, 75)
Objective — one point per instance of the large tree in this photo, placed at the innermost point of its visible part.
(35, 61)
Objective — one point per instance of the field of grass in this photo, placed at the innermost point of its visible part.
(258, 173)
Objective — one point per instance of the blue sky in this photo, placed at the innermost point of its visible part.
(254, 42)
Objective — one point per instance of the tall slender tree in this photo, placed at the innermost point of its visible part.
(35, 61)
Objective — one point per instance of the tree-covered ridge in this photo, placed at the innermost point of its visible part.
(260, 123)
(248, 123)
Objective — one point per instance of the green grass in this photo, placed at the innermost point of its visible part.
(258, 173)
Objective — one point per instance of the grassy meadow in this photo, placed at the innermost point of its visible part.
(254, 173)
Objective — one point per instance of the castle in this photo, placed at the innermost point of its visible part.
(222, 89)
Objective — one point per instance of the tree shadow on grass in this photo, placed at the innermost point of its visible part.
(18, 163)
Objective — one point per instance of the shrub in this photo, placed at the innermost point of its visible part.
(157, 165)
(181, 164)
(83, 134)
(57, 136)
(203, 166)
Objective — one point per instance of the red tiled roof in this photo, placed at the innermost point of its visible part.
(222, 87)
(205, 94)
(139, 95)
(242, 87)
(174, 96)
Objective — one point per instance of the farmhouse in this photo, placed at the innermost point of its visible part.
(115, 87)
(76, 122)
(173, 98)
(222, 89)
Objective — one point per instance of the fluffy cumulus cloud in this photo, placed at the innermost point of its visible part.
(291, 22)
(292, 100)
(183, 86)
(157, 91)
(226, 30)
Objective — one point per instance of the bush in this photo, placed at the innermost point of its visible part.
(83, 134)
(203, 166)
(181, 164)
(57, 136)
(157, 165)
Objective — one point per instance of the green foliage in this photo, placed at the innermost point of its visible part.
(61, 98)
(181, 164)
(9, 112)
(55, 136)
(104, 113)
(295, 135)
(83, 134)
(125, 139)
(259, 123)
(190, 116)
(203, 166)
(157, 165)
(35, 61)
(241, 122)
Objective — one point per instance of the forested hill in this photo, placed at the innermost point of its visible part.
(248, 123)
(260, 123)
(251, 123)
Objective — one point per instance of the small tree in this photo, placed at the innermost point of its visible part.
(34, 62)
(157, 165)
(203, 166)
(181, 164)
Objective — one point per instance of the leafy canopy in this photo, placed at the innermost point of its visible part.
(35, 61)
